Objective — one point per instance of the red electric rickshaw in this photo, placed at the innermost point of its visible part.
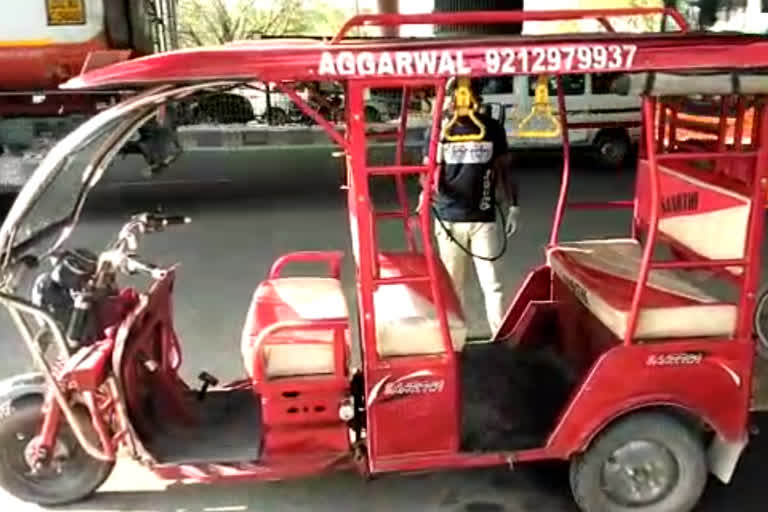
(642, 345)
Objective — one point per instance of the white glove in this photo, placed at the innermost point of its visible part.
(513, 216)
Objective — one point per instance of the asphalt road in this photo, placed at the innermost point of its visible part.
(246, 217)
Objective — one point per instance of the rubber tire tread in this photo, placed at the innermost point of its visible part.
(612, 136)
(28, 409)
(681, 440)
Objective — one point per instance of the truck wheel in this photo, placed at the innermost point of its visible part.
(372, 115)
(648, 462)
(760, 322)
(612, 148)
(70, 473)
(278, 117)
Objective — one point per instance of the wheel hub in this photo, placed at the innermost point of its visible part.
(611, 151)
(39, 458)
(639, 473)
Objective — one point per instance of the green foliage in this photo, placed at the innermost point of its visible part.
(214, 22)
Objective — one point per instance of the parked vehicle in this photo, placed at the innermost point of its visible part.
(620, 332)
(45, 43)
(590, 99)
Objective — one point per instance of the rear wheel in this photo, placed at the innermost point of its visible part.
(648, 462)
(68, 475)
(760, 322)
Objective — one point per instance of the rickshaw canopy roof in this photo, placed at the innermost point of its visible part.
(280, 60)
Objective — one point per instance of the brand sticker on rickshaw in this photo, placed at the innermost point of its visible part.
(528, 59)
(414, 388)
(677, 359)
(414, 383)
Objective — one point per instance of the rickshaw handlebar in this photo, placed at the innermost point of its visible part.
(122, 254)
(157, 222)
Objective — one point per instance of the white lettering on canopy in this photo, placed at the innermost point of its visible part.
(428, 62)
(563, 58)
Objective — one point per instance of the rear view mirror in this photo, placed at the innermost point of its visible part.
(157, 141)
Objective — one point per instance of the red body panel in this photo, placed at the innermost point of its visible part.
(582, 337)
(273, 468)
(404, 423)
(87, 369)
(536, 287)
(625, 379)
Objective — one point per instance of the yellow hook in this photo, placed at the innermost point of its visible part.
(465, 105)
(540, 123)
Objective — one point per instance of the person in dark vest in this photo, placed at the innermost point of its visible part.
(473, 178)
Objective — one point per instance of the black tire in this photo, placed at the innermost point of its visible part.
(79, 474)
(612, 148)
(760, 322)
(372, 115)
(278, 117)
(672, 482)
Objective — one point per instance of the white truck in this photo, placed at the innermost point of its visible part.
(588, 99)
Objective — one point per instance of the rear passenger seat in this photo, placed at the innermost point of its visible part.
(603, 275)
(701, 218)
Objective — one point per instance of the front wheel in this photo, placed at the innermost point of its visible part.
(68, 475)
(648, 462)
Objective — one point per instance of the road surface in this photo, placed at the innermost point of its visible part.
(256, 210)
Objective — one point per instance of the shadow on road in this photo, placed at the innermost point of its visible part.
(539, 488)
(470, 491)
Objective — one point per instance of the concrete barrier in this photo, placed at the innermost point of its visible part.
(240, 136)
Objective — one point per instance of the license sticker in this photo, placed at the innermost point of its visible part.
(65, 12)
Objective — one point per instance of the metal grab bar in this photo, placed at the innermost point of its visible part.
(501, 17)
(16, 306)
(261, 342)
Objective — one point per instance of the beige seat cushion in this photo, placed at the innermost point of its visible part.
(407, 324)
(290, 299)
(603, 275)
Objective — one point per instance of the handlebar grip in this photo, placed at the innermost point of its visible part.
(158, 221)
(172, 220)
(77, 323)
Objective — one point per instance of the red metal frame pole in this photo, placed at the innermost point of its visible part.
(662, 127)
(755, 134)
(360, 209)
(738, 129)
(566, 176)
(649, 110)
(722, 132)
(316, 117)
(755, 233)
(402, 195)
(672, 126)
(426, 223)
(499, 17)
